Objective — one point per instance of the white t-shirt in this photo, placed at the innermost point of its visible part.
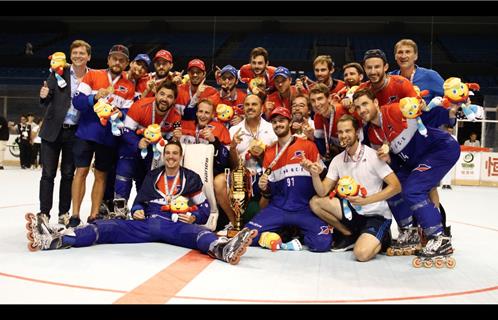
(476, 143)
(35, 130)
(367, 170)
(265, 133)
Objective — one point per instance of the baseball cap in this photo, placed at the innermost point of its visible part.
(165, 54)
(119, 48)
(143, 57)
(375, 53)
(281, 111)
(230, 69)
(196, 63)
(282, 71)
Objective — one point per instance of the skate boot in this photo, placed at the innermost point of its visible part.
(437, 252)
(121, 210)
(230, 250)
(42, 218)
(105, 211)
(64, 218)
(41, 236)
(408, 243)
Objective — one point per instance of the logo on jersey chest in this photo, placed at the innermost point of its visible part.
(122, 89)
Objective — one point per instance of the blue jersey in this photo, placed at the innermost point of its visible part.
(426, 79)
(403, 136)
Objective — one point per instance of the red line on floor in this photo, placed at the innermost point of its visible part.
(18, 205)
(60, 284)
(473, 225)
(346, 301)
(167, 283)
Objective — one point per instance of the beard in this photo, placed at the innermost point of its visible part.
(283, 133)
(163, 107)
(115, 70)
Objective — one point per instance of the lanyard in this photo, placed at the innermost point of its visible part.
(154, 115)
(328, 135)
(254, 136)
(112, 82)
(167, 191)
(384, 140)
(347, 157)
(278, 154)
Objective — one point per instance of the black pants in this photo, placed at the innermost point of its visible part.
(50, 161)
(26, 151)
(36, 156)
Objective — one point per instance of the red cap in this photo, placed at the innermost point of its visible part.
(165, 54)
(281, 111)
(196, 63)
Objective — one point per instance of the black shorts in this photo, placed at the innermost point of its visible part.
(376, 225)
(83, 151)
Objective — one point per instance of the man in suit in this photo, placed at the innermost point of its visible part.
(58, 131)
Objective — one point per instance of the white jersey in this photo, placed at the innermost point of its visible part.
(368, 171)
(265, 133)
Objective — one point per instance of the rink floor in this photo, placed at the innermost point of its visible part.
(161, 273)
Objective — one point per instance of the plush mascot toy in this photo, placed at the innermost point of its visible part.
(225, 113)
(273, 241)
(106, 112)
(456, 94)
(57, 65)
(411, 108)
(347, 186)
(153, 133)
(178, 206)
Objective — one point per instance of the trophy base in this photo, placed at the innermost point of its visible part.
(232, 233)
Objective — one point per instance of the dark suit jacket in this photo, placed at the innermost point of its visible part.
(57, 103)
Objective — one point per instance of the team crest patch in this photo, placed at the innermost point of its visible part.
(392, 99)
(299, 154)
(422, 167)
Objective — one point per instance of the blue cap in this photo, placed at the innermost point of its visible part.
(143, 57)
(282, 71)
(230, 69)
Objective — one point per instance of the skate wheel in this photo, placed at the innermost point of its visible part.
(235, 260)
(29, 216)
(30, 236)
(428, 263)
(32, 247)
(28, 226)
(417, 262)
(450, 262)
(439, 263)
(390, 252)
(407, 251)
(398, 252)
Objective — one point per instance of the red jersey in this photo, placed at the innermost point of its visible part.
(397, 88)
(124, 90)
(279, 101)
(190, 133)
(183, 101)
(237, 101)
(140, 116)
(323, 126)
(337, 85)
(246, 75)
